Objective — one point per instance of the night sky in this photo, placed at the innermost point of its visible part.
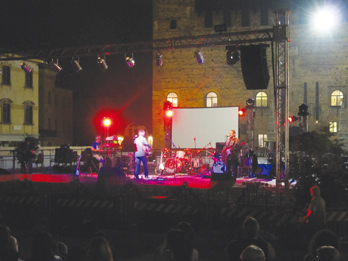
(120, 92)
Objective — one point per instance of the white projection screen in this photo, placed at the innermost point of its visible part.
(198, 127)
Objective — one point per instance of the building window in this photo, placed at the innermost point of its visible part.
(49, 97)
(56, 100)
(173, 24)
(28, 115)
(6, 75)
(29, 79)
(333, 126)
(336, 98)
(56, 124)
(6, 111)
(49, 124)
(261, 99)
(28, 112)
(262, 140)
(227, 17)
(245, 17)
(173, 98)
(264, 16)
(208, 19)
(211, 99)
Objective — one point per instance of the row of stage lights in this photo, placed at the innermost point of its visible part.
(232, 57)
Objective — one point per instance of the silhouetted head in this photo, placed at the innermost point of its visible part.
(252, 253)
(250, 227)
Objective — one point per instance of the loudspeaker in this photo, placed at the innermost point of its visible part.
(254, 67)
(263, 169)
(220, 176)
(63, 156)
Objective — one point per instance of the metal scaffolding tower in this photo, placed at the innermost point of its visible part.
(281, 92)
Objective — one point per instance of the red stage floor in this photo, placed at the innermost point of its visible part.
(191, 181)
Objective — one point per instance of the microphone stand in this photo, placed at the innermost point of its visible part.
(175, 164)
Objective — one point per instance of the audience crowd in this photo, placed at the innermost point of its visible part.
(180, 243)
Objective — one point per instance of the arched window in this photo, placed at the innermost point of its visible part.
(261, 99)
(336, 98)
(173, 98)
(6, 111)
(28, 112)
(173, 24)
(211, 99)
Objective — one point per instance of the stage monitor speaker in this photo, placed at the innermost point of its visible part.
(254, 67)
(264, 169)
(63, 156)
(220, 176)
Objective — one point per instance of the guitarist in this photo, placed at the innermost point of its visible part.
(142, 150)
(230, 153)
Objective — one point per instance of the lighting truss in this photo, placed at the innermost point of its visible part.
(238, 38)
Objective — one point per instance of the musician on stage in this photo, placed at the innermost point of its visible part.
(26, 154)
(96, 150)
(142, 149)
(230, 153)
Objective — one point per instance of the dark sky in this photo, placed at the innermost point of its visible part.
(120, 92)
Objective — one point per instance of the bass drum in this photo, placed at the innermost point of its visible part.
(172, 166)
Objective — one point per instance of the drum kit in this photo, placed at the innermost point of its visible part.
(188, 161)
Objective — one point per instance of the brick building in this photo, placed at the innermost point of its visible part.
(318, 64)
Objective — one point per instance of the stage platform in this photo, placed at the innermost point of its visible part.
(180, 179)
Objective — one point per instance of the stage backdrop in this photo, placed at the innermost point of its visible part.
(198, 127)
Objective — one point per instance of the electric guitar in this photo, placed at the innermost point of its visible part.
(147, 150)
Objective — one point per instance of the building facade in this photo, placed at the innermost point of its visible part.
(56, 110)
(318, 65)
(19, 101)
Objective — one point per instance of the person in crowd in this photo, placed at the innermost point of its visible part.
(142, 151)
(176, 247)
(327, 253)
(77, 253)
(62, 248)
(230, 153)
(316, 214)
(188, 229)
(250, 236)
(100, 250)
(44, 248)
(7, 249)
(252, 253)
(323, 237)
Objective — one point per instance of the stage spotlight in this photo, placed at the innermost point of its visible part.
(55, 67)
(199, 57)
(159, 59)
(102, 63)
(129, 60)
(250, 102)
(76, 65)
(25, 68)
(232, 57)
